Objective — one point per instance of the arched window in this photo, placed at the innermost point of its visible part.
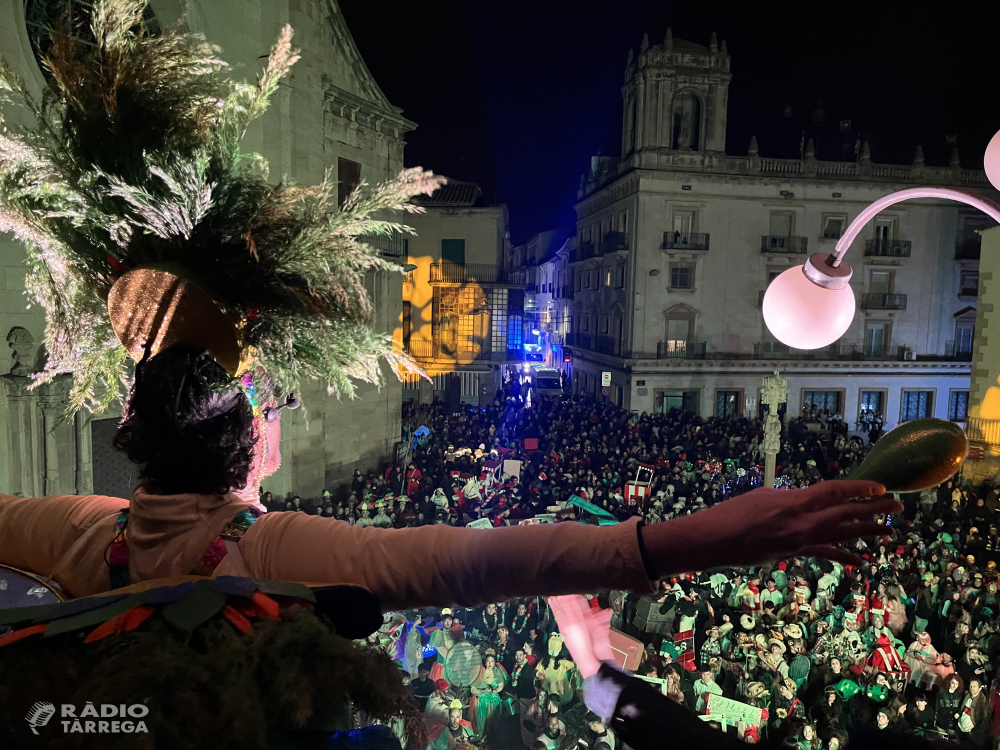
(42, 15)
(687, 122)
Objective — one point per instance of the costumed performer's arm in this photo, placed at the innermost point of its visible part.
(62, 536)
(442, 565)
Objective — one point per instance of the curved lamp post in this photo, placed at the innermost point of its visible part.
(812, 305)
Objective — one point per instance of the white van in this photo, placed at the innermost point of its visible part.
(546, 382)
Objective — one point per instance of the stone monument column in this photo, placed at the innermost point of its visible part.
(84, 455)
(774, 393)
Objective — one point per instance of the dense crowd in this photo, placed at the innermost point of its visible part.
(795, 653)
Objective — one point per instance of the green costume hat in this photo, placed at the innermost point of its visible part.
(847, 689)
(668, 649)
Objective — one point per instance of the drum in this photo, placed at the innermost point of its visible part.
(18, 588)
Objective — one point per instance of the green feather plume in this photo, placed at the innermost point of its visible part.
(133, 158)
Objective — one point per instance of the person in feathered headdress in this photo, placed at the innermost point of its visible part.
(152, 237)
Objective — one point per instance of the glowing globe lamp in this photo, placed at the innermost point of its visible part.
(991, 161)
(809, 314)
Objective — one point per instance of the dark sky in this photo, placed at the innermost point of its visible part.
(518, 95)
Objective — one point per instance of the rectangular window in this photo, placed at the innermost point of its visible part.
(623, 221)
(872, 402)
(498, 320)
(825, 401)
(965, 333)
(880, 282)
(407, 323)
(576, 282)
(586, 323)
(916, 405)
(970, 284)
(727, 403)
(876, 340)
(678, 332)
(348, 178)
(833, 226)
(620, 277)
(680, 277)
(607, 277)
(453, 251)
(604, 325)
(958, 406)
(684, 223)
(667, 401)
(885, 229)
(781, 223)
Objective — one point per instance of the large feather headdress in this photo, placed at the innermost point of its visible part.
(131, 193)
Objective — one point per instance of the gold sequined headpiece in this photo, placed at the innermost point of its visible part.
(155, 309)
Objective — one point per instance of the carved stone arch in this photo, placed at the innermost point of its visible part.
(687, 121)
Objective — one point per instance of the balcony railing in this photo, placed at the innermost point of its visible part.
(419, 348)
(883, 301)
(840, 351)
(393, 245)
(465, 351)
(685, 241)
(680, 350)
(605, 345)
(771, 243)
(566, 292)
(960, 352)
(477, 273)
(969, 249)
(887, 248)
(613, 242)
(581, 340)
(585, 251)
(981, 430)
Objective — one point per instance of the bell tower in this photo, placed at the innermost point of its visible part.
(675, 98)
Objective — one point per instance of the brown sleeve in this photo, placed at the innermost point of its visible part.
(37, 532)
(442, 565)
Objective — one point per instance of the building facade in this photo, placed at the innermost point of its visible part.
(329, 115)
(677, 242)
(463, 307)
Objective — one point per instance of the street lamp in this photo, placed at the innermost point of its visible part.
(812, 305)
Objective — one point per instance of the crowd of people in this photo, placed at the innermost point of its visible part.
(794, 654)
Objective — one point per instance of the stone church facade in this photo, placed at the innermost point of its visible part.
(329, 115)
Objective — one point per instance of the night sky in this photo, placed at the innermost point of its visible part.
(518, 95)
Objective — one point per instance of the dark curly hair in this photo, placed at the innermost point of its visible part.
(187, 431)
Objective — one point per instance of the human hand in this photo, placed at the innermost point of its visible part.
(586, 633)
(769, 524)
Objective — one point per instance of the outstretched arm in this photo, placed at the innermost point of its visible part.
(441, 565)
(62, 536)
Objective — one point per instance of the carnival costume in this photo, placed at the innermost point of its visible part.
(150, 236)
(168, 237)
